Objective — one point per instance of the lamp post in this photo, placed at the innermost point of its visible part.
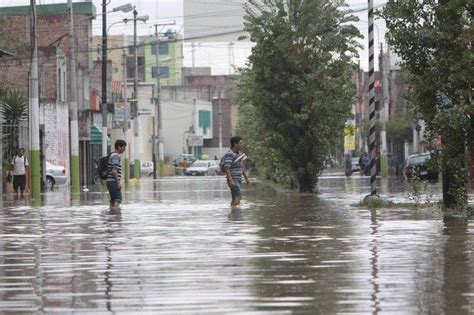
(134, 120)
(123, 8)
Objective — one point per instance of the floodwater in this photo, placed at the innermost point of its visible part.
(178, 248)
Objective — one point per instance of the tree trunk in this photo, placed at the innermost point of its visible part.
(454, 175)
(306, 181)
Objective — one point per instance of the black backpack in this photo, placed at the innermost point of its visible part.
(103, 166)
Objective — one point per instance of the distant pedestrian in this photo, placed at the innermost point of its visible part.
(19, 166)
(361, 162)
(114, 176)
(366, 162)
(233, 168)
(348, 165)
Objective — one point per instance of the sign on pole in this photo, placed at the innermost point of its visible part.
(195, 141)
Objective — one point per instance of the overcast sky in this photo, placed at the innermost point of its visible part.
(216, 55)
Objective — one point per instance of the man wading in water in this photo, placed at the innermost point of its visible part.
(234, 169)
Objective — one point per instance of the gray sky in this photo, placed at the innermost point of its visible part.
(217, 55)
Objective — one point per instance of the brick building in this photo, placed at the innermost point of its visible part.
(54, 87)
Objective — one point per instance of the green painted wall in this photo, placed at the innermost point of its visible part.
(173, 60)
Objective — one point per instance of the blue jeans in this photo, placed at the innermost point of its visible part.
(235, 191)
(115, 192)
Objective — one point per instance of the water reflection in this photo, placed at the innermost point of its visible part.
(457, 255)
(374, 260)
(112, 221)
(177, 247)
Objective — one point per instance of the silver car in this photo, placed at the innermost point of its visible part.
(55, 175)
(203, 167)
(146, 168)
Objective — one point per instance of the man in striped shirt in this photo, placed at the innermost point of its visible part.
(234, 169)
(114, 176)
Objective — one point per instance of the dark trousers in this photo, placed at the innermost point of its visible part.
(19, 181)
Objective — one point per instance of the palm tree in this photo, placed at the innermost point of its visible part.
(13, 108)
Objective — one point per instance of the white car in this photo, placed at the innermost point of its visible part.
(55, 175)
(146, 167)
(203, 167)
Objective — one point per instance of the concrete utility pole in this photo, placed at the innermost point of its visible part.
(75, 180)
(136, 166)
(384, 112)
(220, 122)
(104, 78)
(373, 170)
(125, 125)
(34, 110)
(158, 128)
(193, 128)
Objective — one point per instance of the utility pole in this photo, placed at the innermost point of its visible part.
(157, 118)
(34, 110)
(104, 78)
(220, 122)
(193, 128)
(384, 112)
(136, 166)
(125, 125)
(372, 145)
(193, 51)
(75, 180)
(158, 128)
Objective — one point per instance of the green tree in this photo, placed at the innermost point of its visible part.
(399, 128)
(297, 88)
(434, 39)
(13, 107)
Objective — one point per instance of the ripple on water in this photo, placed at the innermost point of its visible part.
(189, 253)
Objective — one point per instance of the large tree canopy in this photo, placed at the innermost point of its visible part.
(434, 39)
(297, 93)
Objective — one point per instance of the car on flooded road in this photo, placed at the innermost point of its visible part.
(203, 167)
(355, 167)
(418, 165)
(55, 175)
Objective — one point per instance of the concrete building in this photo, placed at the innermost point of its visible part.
(171, 59)
(53, 70)
(190, 116)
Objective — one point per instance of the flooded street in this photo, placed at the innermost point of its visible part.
(178, 248)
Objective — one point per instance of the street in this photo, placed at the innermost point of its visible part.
(177, 247)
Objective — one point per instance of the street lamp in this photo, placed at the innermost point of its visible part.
(123, 8)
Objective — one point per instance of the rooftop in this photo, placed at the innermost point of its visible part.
(81, 8)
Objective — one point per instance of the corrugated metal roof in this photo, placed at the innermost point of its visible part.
(81, 8)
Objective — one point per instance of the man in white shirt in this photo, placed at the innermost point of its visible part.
(20, 167)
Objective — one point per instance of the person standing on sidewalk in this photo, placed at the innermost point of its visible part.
(234, 169)
(114, 176)
(20, 167)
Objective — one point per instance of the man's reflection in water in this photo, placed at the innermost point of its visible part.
(113, 222)
(235, 214)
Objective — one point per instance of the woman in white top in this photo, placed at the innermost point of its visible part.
(20, 167)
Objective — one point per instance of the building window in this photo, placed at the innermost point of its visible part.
(164, 49)
(164, 72)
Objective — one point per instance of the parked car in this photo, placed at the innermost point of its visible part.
(146, 167)
(355, 164)
(418, 165)
(55, 175)
(189, 157)
(203, 167)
